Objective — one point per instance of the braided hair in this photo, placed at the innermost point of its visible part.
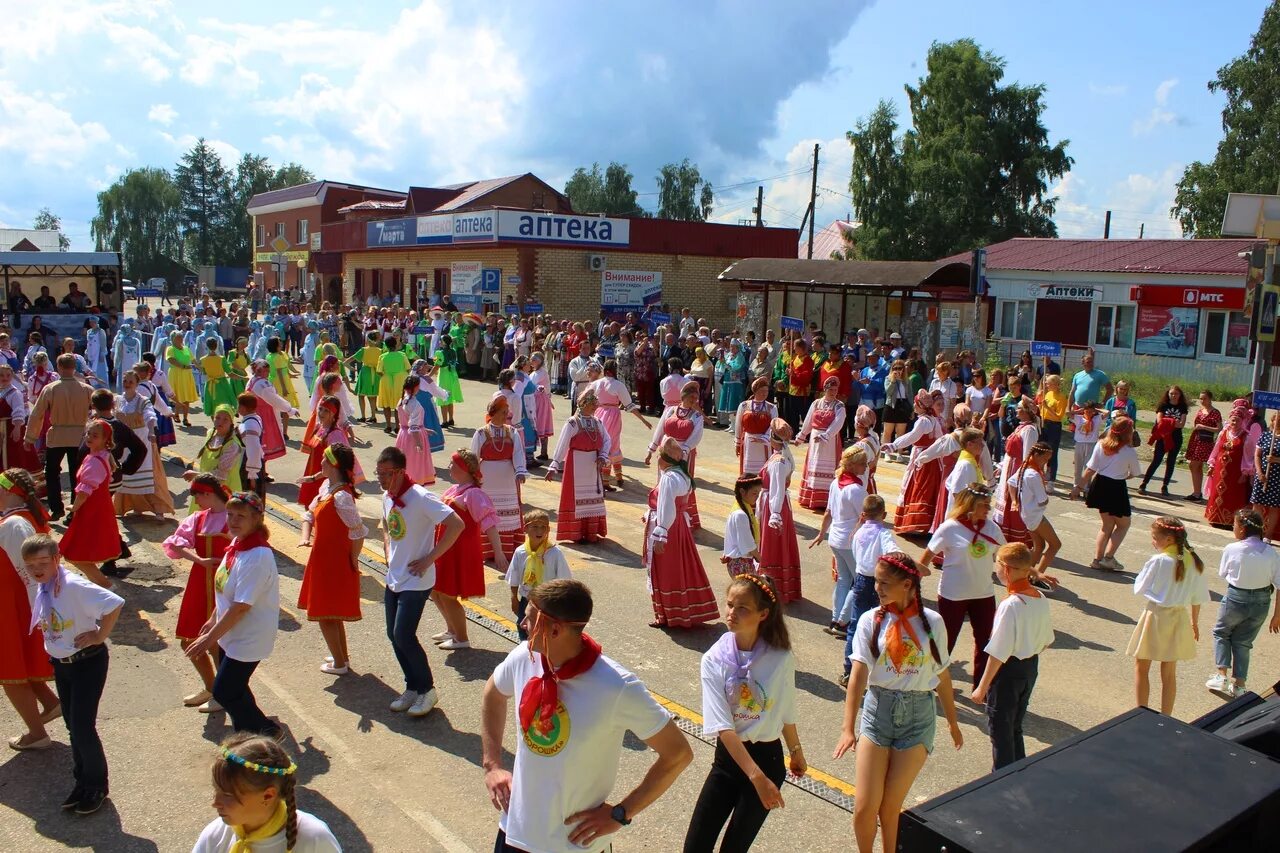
(1174, 529)
(22, 478)
(902, 567)
(233, 778)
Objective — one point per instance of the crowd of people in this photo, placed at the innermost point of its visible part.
(980, 455)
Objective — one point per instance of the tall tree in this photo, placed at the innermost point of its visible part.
(205, 188)
(291, 175)
(609, 192)
(1248, 157)
(253, 175)
(682, 194)
(139, 217)
(974, 168)
(47, 220)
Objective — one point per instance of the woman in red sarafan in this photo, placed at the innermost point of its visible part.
(460, 570)
(921, 481)
(1230, 468)
(779, 550)
(682, 595)
(582, 451)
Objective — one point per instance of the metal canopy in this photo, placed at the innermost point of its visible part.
(867, 276)
(56, 263)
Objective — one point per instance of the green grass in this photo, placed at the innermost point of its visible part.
(1146, 389)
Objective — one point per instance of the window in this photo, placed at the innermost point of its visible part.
(1113, 326)
(303, 235)
(262, 235)
(279, 229)
(1017, 319)
(1226, 333)
(302, 280)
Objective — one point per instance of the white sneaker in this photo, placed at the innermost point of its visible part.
(404, 700)
(329, 669)
(451, 644)
(425, 702)
(210, 707)
(1217, 683)
(441, 637)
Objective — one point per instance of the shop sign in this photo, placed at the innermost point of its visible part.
(629, 290)
(274, 258)
(1069, 292)
(949, 328)
(1221, 298)
(434, 230)
(391, 232)
(527, 226)
(1167, 331)
(478, 227)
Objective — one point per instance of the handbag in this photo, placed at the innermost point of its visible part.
(1137, 439)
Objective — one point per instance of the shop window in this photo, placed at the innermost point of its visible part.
(1114, 325)
(303, 236)
(1017, 319)
(1226, 333)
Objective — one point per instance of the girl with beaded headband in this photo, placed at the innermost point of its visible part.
(582, 453)
(898, 666)
(685, 423)
(460, 570)
(1252, 570)
(255, 795)
(329, 432)
(742, 529)
(500, 450)
(330, 593)
(748, 704)
(779, 550)
(89, 540)
(678, 585)
(1174, 587)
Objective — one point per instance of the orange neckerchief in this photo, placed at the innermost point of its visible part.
(1022, 587)
(894, 647)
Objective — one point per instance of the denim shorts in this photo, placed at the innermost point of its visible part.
(899, 719)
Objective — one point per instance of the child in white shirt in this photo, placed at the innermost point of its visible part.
(536, 561)
(741, 531)
(1086, 425)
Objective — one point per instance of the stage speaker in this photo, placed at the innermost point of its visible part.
(1139, 782)
(1255, 725)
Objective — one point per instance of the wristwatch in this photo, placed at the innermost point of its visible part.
(619, 814)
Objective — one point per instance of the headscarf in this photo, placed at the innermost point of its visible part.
(924, 401)
(865, 417)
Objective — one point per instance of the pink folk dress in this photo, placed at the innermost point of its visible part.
(685, 426)
(582, 447)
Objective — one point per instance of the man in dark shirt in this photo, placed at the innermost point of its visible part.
(45, 301)
(75, 300)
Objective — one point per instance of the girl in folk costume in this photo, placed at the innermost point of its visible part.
(282, 374)
(217, 384)
(751, 428)
(37, 378)
(678, 585)
(671, 388)
(330, 591)
(898, 660)
(330, 385)
(528, 410)
(779, 551)
(511, 386)
(1230, 468)
(178, 360)
(237, 365)
(460, 570)
(13, 421)
(1029, 494)
(202, 538)
(1017, 450)
(428, 393)
(446, 359)
(732, 385)
(840, 522)
(742, 529)
(864, 432)
(921, 480)
(92, 537)
(821, 428)
(543, 424)
(329, 433)
(269, 404)
(366, 358)
(146, 490)
(25, 670)
(947, 450)
(684, 423)
(221, 454)
(393, 367)
(1174, 586)
(412, 436)
(614, 399)
(582, 452)
(502, 470)
(153, 390)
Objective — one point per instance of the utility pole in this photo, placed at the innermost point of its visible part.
(1142, 229)
(759, 206)
(813, 198)
(1106, 227)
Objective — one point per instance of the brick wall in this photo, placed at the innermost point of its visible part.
(421, 262)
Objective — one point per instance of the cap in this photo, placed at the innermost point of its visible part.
(895, 337)
(864, 332)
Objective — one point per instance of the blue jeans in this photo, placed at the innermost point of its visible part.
(1240, 619)
(841, 601)
(864, 598)
(404, 612)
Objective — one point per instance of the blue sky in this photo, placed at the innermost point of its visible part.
(436, 92)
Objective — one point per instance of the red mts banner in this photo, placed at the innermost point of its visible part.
(1224, 298)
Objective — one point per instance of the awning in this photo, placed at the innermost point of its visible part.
(870, 276)
(57, 263)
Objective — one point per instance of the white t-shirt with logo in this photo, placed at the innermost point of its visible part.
(411, 533)
(575, 766)
(966, 564)
(78, 607)
(253, 580)
(919, 669)
(757, 711)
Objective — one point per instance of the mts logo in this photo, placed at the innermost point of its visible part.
(1198, 297)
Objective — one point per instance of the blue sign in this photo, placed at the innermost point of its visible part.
(490, 280)
(792, 324)
(511, 309)
(466, 301)
(147, 291)
(391, 232)
(1266, 400)
(423, 328)
(533, 308)
(660, 318)
(1040, 349)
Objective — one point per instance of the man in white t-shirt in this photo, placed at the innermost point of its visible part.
(410, 516)
(574, 706)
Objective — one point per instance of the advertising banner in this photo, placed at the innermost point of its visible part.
(629, 290)
(391, 232)
(534, 227)
(1167, 331)
(465, 278)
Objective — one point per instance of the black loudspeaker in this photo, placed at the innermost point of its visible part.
(1140, 782)
(1255, 725)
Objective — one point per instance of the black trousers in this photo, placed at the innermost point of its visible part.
(1007, 708)
(1167, 452)
(729, 795)
(231, 691)
(53, 457)
(80, 685)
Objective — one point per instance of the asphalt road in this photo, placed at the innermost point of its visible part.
(387, 782)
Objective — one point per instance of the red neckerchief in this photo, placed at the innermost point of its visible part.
(849, 480)
(398, 495)
(542, 693)
(256, 539)
(976, 531)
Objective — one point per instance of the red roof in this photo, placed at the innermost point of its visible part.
(1178, 257)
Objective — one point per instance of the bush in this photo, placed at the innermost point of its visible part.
(1146, 389)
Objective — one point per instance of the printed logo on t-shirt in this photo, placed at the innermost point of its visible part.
(912, 662)
(395, 525)
(751, 701)
(978, 549)
(556, 736)
(220, 578)
(55, 625)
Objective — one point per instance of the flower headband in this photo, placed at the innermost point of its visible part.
(1170, 524)
(764, 587)
(255, 766)
(251, 499)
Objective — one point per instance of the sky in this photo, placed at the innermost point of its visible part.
(433, 92)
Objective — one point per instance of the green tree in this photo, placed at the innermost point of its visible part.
(47, 220)
(254, 174)
(139, 217)
(1248, 157)
(974, 167)
(291, 175)
(682, 194)
(607, 192)
(205, 188)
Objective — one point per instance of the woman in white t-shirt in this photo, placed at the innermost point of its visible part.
(967, 541)
(1112, 462)
(254, 784)
(1030, 494)
(246, 615)
(749, 706)
(898, 658)
(843, 514)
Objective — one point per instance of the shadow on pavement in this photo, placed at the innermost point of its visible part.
(1069, 642)
(816, 685)
(473, 664)
(1073, 600)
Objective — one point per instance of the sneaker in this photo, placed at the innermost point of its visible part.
(441, 637)
(424, 703)
(329, 669)
(77, 794)
(843, 679)
(451, 644)
(210, 707)
(1113, 564)
(404, 700)
(1098, 565)
(90, 802)
(1218, 685)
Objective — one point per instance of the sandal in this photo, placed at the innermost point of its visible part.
(658, 623)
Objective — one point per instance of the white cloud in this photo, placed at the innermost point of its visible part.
(1139, 203)
(1160, 114)
(42, 134)
(786, 198)
(211, 62)
(228, 153)
(137, 49)
(162, 114)
(1163, 90)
